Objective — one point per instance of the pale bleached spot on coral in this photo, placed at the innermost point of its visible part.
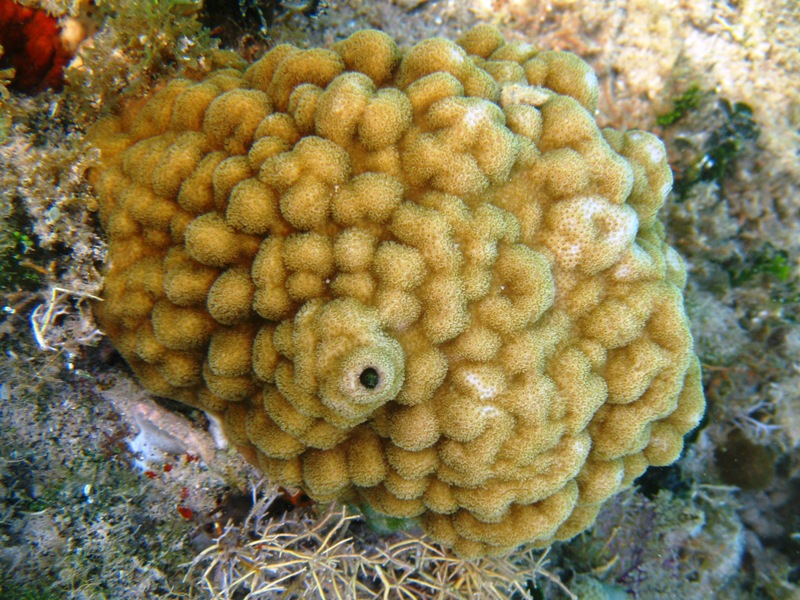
(486, 389)
(590, 80)
(457, 55)
(665, 189)
(633, 264)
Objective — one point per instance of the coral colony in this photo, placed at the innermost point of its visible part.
(425, 281)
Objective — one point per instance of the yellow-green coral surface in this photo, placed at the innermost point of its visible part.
(425, 280)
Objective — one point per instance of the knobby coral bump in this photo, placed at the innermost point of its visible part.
(423, 280)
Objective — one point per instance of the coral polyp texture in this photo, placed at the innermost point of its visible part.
(422, 280)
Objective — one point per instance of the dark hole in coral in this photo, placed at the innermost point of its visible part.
(369, 378)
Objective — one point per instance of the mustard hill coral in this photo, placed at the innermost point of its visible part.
(424, 280)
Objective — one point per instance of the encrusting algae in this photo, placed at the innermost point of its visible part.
(422, 280)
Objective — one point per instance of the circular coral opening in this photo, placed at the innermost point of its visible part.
(369, 378)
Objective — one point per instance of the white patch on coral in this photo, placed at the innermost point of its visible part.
(623, 270)
(514, 93)
(655, 151)
(620, 224)
(525, 48)
(673, 260)
(633, 265)
(486, 391)
(215, 429)
(591, 79)
(572, 253)
(457, 54)
(473, 116)
(472, 120)
(665, 189)
(625, 224)
(591, 205)
(489, 411)
(591, 233)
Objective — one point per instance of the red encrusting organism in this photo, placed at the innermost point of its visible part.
(33, 46)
